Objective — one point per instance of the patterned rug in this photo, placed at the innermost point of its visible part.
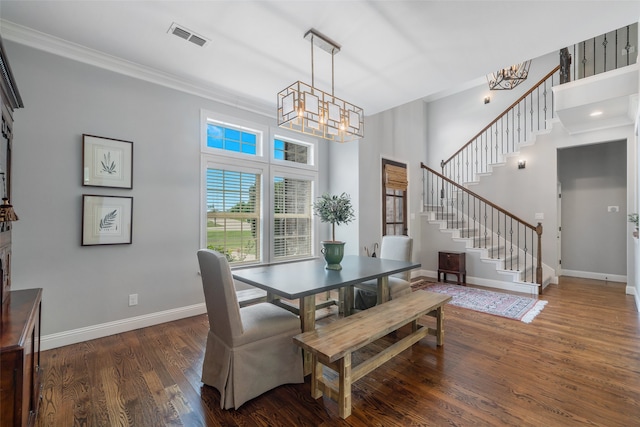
(500, 304)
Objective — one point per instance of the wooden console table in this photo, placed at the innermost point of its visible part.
(20, 389)
(452, 263)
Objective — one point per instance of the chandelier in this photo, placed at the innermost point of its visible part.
(510, 77)
(305, 108)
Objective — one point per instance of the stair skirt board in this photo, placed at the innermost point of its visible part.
(515, 277)
(526, 288)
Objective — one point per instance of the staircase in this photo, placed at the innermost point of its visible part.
(487, 231)
(490, 233)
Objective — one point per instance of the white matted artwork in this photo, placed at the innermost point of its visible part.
(107, 162)
(106, 220)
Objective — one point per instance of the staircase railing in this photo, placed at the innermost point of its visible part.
(505, 133)
(515, 242)
(606, 52)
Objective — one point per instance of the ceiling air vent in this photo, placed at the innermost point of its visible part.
(183, 33)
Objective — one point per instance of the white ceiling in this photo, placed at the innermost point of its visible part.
(393, 51)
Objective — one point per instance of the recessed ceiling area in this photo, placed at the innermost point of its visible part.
(599, 102)
(392, 52)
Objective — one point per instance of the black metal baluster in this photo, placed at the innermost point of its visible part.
(584, 59)
(594, 56)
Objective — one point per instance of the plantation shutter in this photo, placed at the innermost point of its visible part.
(233, 214)
(395, 177)
(292, 218)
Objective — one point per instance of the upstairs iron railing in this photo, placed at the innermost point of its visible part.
(504, 134)
(516, 243)
(605, 52)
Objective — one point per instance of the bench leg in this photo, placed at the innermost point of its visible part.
(344, 387)
(316, 376)
(440, 325)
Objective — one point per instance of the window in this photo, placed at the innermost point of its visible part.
(292, 218)
(394, 198)
(233, 214)
(257, 208)
(291, 151)
(227, 138)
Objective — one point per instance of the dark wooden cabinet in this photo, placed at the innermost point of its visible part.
(20, 387)
(452, 263)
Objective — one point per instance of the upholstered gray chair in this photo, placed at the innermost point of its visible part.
(392, 247)
(249, 350)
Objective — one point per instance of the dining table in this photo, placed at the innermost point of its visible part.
(304, 280)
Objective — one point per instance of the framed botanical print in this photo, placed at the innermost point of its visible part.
(106, 220)
(107, 162)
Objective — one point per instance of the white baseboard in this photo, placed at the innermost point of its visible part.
(595, 276)
(74, 336)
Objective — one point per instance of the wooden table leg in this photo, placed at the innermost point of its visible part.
(346, 300)
(440, 325)
(383, 289)
(308, 323)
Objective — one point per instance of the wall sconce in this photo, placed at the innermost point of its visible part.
(487, 99)
(522, 164)
(7, 214)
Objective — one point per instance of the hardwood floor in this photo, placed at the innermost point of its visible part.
(577, 363)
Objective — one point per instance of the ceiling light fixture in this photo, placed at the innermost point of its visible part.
(305, 108)
(596, 113)
(510, 77)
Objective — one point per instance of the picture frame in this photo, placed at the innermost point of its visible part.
(106, 220)
(107, 162)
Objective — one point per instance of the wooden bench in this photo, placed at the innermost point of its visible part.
(331, 345)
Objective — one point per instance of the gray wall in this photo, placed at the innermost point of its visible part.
(398, 134)
(592, 178)
(87, 286)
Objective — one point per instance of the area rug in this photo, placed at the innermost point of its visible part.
(500, 304)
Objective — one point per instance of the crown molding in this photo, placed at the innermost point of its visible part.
(57, 46)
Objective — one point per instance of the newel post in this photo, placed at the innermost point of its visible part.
(539, 266)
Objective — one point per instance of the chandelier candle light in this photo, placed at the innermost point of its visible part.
(305, 108)
(509, 78)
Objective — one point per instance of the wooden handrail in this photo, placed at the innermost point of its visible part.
(482, 199)
(527, 93)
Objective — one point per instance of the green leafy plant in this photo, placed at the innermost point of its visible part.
(634, 217)
(226, 252)
(335, 210)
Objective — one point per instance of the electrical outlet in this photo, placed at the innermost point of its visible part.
(133, 300)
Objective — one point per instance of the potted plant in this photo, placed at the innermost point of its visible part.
(335, 210)
(634, 217)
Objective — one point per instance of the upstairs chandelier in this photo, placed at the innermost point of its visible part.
(305, 108)
(509, 78)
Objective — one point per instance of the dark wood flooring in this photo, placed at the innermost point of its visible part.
(577, 363)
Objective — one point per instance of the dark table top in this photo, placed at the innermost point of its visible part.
(299, 279)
